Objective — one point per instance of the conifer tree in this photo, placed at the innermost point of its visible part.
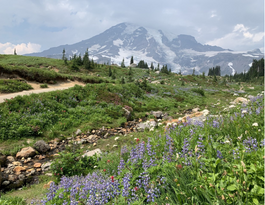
(131, 62)
(15, 52)
(110, 72)
(152, 66)
(122, 63)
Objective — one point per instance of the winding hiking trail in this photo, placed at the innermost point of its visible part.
(37, 89)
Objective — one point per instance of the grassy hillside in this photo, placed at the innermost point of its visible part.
(193, 162)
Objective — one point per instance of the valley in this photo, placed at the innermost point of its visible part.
(163, 137)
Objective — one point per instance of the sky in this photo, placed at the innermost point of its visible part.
(36, 25)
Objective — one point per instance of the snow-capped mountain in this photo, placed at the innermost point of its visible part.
(179, 52)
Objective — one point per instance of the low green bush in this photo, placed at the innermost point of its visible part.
(69, 163)
(44, 85)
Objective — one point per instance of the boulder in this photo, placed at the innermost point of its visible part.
(146, 125)
(26, 152)
(91, 153)
(241, 100)
(92, 138)
(157, 114)
(41, 146)
(46, 166)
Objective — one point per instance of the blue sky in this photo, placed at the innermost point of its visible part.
(37, 25)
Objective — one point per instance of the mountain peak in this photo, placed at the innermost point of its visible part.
(179, 52)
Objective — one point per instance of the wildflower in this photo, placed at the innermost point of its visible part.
(115, 145)
(112, 178)
(240, 137)
(108, 161)
(219, 154)
(116, 138)
(255, 124)
(243, 164)
(178, 166)
(95, 167)
(104, 170)
(136, 188)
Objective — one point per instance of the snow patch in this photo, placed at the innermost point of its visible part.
(75, 51)
(117, 42)
(94, 47)
(230, 64)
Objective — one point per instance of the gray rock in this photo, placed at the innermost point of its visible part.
(91, 153)
(46, 166)
(5, 183)
(41, 146)
(157, 114)
(78, 131)
(145, 125)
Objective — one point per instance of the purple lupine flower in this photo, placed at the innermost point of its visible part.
(121, 166)
(126, 185)
(250, 144)
(215, 124)
(219, 154)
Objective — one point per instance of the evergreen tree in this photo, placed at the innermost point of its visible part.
(131, 62)
(15, 52)
(110, 72)
(158, 67)
(203, 75)
(63, 54)
(215, 78)
(152, 66)
(122, 63)
(193, 72)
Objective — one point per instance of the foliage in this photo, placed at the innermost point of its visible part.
(198, 90)
(12, 201)
(69, 163)
(11, 86)
(44, 85)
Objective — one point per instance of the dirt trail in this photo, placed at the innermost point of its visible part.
(37, 89)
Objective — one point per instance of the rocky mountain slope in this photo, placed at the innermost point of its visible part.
(179, 52)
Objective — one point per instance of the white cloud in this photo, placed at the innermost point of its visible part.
(8, 48)
(239, 38)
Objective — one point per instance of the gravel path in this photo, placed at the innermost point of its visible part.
(43, 90)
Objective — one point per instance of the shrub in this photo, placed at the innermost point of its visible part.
(199, 91)
(44, 85)
(69, 163)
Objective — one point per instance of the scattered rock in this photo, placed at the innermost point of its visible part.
(46, 166)
(91, 153)
(10, 159)
(26, 152)
(37, 165)
(241, 100)
(41, 146)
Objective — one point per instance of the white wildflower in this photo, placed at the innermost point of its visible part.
(240, 137)
(115, 145)
(95, 167)
(255, 124)
(116, 138)
(107, 145)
